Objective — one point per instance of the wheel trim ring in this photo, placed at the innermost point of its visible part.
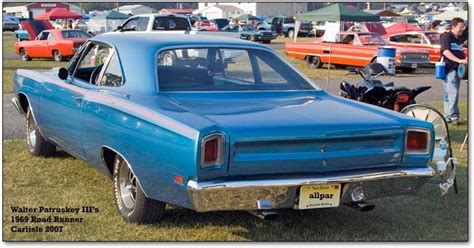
(127, 184)
(31, 133)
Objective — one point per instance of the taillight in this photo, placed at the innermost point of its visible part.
(417, 141)
(403, 97)
(212, 150)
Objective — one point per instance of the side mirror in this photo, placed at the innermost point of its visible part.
(62, 73)
(120, 28)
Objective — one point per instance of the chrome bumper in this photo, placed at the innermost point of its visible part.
(17, 105)
(283, 193)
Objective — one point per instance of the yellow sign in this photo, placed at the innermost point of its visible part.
(319, 196)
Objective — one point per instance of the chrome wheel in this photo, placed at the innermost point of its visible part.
(37, 144)
(24, 56)
(57, 56)
(31, 133)
(127, 186)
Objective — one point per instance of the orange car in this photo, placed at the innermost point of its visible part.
(52, 43)
(353, 49)
(423, 40)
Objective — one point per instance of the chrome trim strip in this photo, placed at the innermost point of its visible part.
(17, 106)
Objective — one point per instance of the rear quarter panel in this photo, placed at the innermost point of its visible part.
(156, 149)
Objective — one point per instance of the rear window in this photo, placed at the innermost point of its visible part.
(226, 69)
(69, 34)
(171, 23)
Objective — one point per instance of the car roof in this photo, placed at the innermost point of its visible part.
(161, 15)
(155, 40)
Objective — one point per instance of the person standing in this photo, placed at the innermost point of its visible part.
(453, 54)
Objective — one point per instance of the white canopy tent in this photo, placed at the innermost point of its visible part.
(449, 15)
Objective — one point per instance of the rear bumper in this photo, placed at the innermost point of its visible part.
(283, 192)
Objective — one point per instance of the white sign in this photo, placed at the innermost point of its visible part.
(48, 5)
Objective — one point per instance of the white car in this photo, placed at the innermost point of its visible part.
(166, 23)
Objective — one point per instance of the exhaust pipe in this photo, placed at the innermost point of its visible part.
(265, 214)
(361, 206)
(264, 211)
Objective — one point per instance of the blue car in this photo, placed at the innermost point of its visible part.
(216, 124)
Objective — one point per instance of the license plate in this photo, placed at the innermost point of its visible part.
(319, 196)
(414, 65)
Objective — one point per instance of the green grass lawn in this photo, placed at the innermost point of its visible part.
(66, 181)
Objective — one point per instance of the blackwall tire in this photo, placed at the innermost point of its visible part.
(313, 62)
(37, 145)
(130, 199)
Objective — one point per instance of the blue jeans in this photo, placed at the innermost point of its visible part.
(451, 96)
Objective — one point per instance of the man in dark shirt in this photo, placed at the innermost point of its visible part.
(453, 54)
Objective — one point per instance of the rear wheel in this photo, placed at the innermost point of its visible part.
(131, 201)
(291, 33)
(37, 145)
(267, 41)
(58, 56)
(313, 62)
(24, 55)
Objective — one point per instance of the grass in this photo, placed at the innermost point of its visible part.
(12, 62)
(65, 181)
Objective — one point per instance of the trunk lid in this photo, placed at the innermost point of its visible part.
(300, 132)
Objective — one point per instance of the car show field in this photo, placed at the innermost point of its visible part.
(67, 181)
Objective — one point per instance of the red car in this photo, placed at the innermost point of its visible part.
(353, 49)
(52, 43)
(423, 40)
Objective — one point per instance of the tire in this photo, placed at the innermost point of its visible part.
(58, 57)
(408, 70)
(313, 62)
(131, 202)
(24, 55)
(267, 41)
(37, 145)
(291, 33)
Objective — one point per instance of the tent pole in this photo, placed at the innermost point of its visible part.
(329, 66)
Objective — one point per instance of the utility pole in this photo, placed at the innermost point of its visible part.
(117, 6)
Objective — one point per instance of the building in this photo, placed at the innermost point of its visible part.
(39, 8)
(135, 9)
(220, 11)
(260, 9)
(177, 11)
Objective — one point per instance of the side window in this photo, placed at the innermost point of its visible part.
(142, 23)
(131, 25)
(113, 74)
(51, 36)
(268, 74)
(415, 38)
(92, 62)
(238, 65)
(43, 36)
